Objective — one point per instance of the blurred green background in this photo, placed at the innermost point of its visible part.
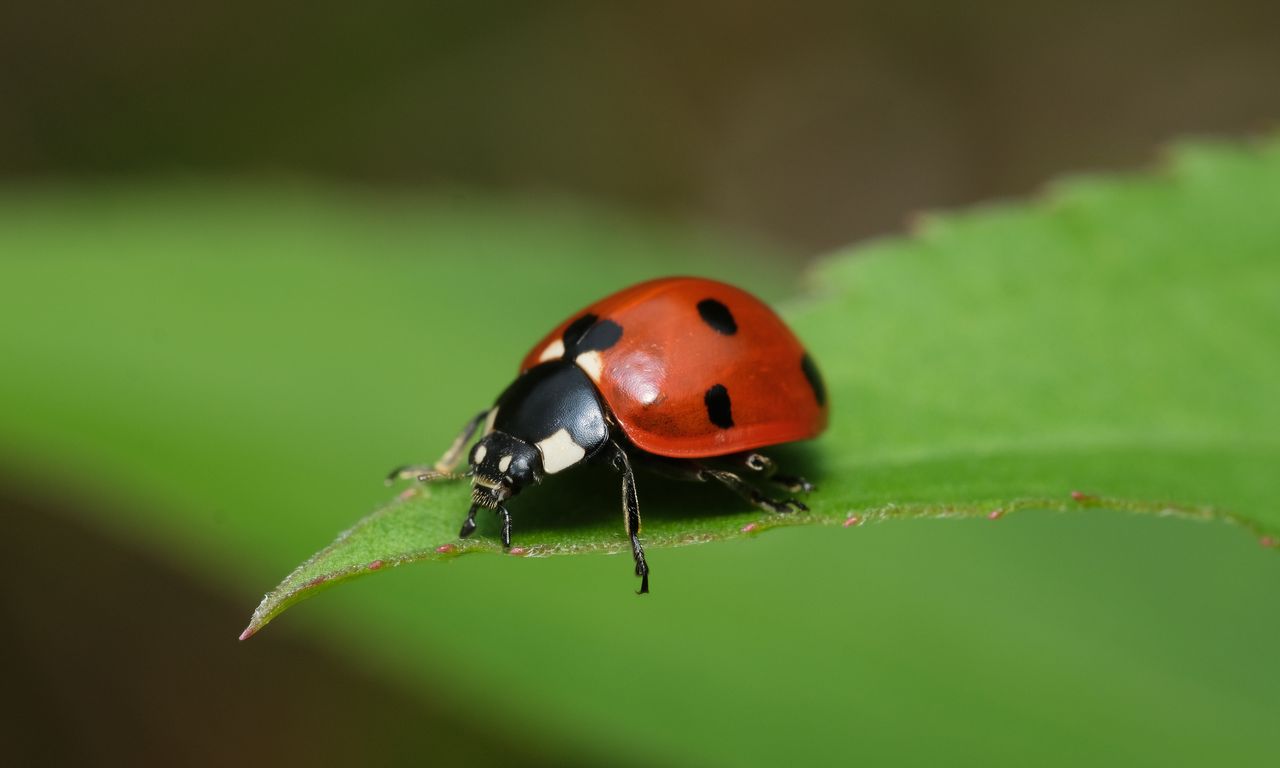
(252, 256)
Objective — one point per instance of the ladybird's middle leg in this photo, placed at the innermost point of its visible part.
(631, 514)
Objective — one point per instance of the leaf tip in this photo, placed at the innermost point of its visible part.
(248, 632)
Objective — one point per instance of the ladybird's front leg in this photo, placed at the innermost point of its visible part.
(506, 525)
(631, 514)
(443, 468)
(469, 525)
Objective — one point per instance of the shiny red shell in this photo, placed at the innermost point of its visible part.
(657, 377)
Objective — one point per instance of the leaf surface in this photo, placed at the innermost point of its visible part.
(225, 374)
(1109, 346)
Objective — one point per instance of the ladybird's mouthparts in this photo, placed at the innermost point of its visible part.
(488, 492)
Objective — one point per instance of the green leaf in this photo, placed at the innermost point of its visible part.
(1110, 346)
(224, 374)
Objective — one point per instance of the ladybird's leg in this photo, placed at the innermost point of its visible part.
(469, 526)
(442, 469)
(450, 459)
(506, 525)
(758, 462)
(420, 472)
(631, 514)
(750, 493)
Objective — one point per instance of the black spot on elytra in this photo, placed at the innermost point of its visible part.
(719, 409)
(574, 333)
(718, 316)
(815, 379)
(590, 334)
(600, 337)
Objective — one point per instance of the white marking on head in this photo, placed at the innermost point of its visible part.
(503, 463)
(560, 452)
(492, 417)
(554, 351)
(592, 363)
(480, 452)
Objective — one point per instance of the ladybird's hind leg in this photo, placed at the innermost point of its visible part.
(768, 469)
(749, 492)
(442, 469)
(631, 513)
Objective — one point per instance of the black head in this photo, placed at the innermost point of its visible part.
(501, 467)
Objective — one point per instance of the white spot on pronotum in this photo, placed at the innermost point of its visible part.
(553, 351)
(503, 463)
(560, 452)
(592, 363)
(488, 422)
(480, 452)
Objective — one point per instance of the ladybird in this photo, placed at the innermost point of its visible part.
(684, 375)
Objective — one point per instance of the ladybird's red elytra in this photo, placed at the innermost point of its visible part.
(688, 344)
(686, 375)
